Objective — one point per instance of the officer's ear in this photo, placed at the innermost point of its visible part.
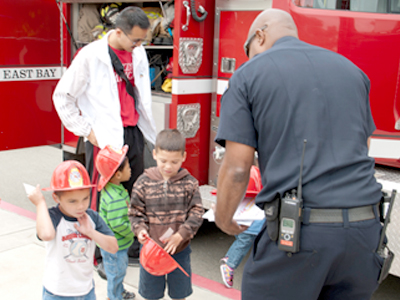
(261, 36)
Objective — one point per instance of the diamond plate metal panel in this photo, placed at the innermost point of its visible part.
(394, 237)
(390, 179)
(188, 119)
(206, 196)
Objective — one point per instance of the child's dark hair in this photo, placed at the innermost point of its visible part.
(59, 193)
(170, 140)
(123, 164)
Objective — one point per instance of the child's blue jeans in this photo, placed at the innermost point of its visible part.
(49, 296)
(239, 249)
(115, 266)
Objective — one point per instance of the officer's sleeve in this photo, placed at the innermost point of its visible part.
(370, 124)
(370, 121)
(236, 119)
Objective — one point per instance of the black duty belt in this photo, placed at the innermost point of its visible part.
(337, 215)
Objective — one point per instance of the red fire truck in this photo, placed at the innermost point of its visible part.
(40, 38)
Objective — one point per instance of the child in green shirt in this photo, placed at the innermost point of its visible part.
(113, 166)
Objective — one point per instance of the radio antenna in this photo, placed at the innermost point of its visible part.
(301, 171)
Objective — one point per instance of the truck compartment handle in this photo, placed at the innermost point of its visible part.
(186, 26)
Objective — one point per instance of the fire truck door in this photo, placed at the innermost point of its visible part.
(232, 22)
(29, 70)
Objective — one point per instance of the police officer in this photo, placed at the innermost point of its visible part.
(287, 92)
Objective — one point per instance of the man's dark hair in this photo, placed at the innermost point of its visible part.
(130, 17)
(123, 164)
(170, 140)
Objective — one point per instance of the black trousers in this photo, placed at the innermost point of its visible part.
(133, 137)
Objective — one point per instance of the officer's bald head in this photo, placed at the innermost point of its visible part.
(275, 24)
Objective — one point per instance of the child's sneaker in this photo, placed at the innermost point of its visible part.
(227, 275)
(224, 260)
(128, 295)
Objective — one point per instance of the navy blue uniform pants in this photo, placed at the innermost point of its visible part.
(336, 261)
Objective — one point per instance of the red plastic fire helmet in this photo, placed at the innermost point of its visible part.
(107, 162)
(69, 175)
(156, 260)
(255, 183)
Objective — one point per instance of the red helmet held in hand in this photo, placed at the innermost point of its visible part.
(156, 260)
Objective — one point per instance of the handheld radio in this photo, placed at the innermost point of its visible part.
(291, 216)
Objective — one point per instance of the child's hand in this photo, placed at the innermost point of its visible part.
(84, 226)
(143, 236)
(172, 243)
(36, 196)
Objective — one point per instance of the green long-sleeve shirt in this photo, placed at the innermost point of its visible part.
(114, 201)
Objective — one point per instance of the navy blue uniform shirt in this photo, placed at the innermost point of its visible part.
(296, 91)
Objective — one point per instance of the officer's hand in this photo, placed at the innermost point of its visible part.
(271, 210)
(231, 228)
(92, 138)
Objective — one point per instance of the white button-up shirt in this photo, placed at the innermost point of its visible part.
(86, 97)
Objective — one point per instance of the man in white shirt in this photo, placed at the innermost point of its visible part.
(91, 99)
